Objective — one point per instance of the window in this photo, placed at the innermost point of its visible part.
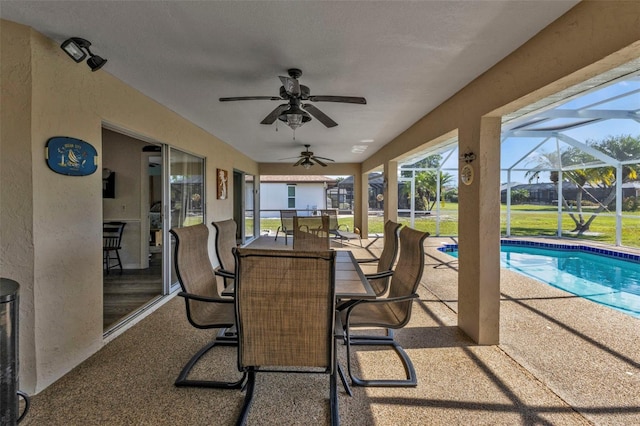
(291, 194)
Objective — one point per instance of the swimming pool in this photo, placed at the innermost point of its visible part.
(603, 276)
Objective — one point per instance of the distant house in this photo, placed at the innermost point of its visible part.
(307, 194)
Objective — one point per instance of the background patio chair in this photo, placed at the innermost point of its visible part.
(225, 242)
(340, 232)
(390, 312)
(311, 233)
(204, 305)
(291, 329)
(112, 243)
(286, 224)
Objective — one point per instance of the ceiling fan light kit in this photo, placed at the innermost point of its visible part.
(295, 113)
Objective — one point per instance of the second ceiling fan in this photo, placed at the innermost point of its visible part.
(295, 113)
(306, 159)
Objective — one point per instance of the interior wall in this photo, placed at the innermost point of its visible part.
(122, 155)
(59, 238)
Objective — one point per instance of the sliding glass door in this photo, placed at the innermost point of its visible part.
(186, 195)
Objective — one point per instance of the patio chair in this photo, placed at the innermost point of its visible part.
(286, 224)
(225, 242)
(205, 307)
(112, 243)
(380, 279)
(340, 232)
(390, 312)
(292, 328)
(311, 233)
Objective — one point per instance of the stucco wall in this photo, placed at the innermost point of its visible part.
(59, 238)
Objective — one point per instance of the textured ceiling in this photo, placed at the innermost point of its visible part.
(404, 57)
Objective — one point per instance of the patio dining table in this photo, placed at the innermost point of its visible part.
(350, 280)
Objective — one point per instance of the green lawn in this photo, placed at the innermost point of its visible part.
(526, 220)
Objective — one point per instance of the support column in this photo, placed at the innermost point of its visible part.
(479, 231)
(360, 203)
(390, 191)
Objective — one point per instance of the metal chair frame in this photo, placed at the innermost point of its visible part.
(406, 280)
(270, 362)
(199, 234)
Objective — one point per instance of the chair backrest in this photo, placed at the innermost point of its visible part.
(388, 256)
(194, 270)
(225, 242)
(333, 218)
(285, 307)
(311, 233)
(408, 271)
(112, 234)
(286, 220)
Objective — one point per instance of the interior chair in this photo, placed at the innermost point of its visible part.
(340, 232)
(285, 311)
(380, 279)
(225, 241)
(206, 309)
(311, 233)
(111, 244)
(286, 224)
(390, 312)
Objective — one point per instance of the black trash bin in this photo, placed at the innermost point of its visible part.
(9, 393)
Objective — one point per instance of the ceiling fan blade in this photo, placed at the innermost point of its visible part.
(300, 161)
(318, 161)
(324, 158)
(343, 99)
(291, 85)
(273, 115)
(321, 116)
(288, 158)
(251, 98)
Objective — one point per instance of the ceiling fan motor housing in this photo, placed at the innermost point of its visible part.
(304, 93)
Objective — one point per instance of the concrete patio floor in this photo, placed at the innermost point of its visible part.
(562, 360)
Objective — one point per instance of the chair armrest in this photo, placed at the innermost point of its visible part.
(378, 275)
(204, 298)
(224, 273)
(347, 228)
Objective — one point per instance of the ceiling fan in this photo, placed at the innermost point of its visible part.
(306, 159)
(295, 113)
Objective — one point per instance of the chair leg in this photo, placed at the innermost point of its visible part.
(333, 392)
(248, 398)
(220, 340)
(119, 261)
(410, 381)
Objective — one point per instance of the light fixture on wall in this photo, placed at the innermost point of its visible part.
(75, 47)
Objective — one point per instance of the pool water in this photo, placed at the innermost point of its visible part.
(610, 281)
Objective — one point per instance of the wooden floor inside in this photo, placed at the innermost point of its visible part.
(127, 291)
